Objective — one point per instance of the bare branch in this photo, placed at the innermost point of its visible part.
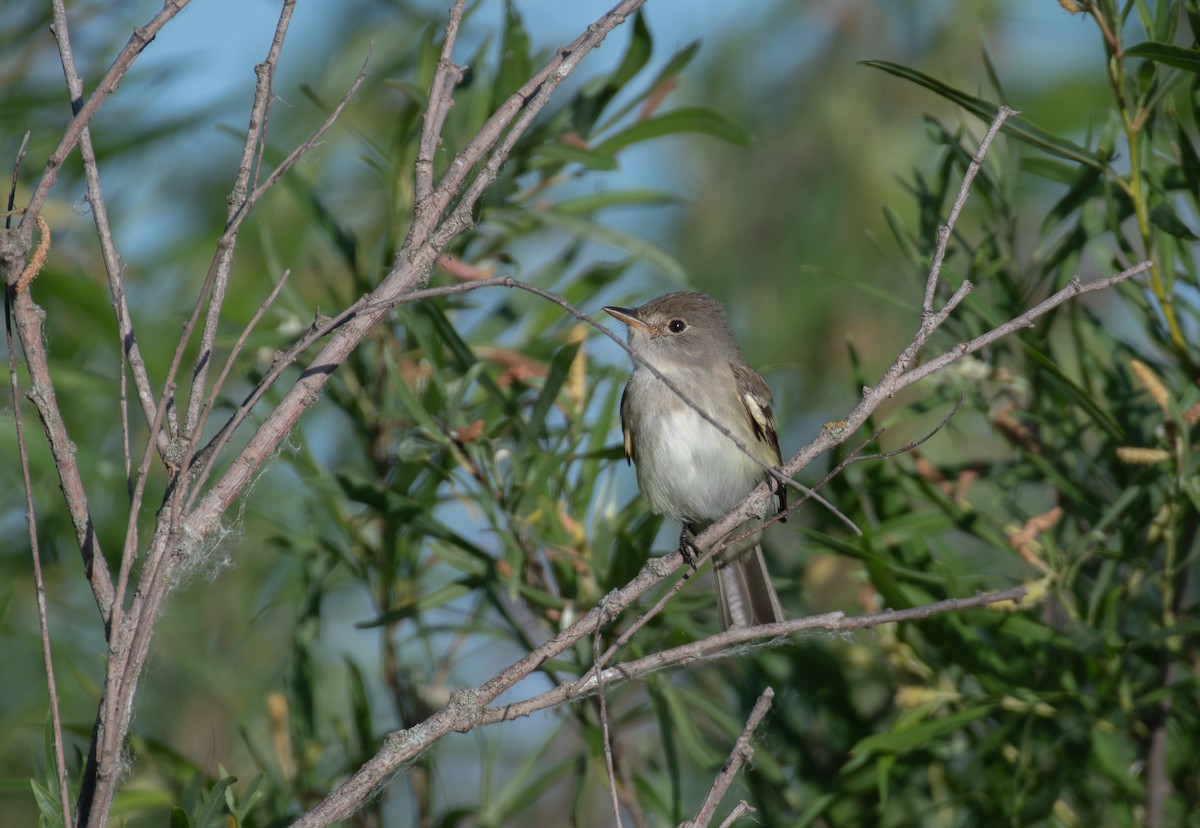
(731, 642)
(468, 709)
(16, 176)
(441, 100)
(28, 319)
(213, 298)
(206, 457)
(60, 764)
(14, 384)
(138, 40)
(608, 752)
(237, 349)
(741, 753)
(740, 810)
(964, 190)
(527, 101)
(113, 268)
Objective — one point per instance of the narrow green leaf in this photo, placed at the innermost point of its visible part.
(464, 355)
(688, 119)
(674, 66)
(908, 246)
(1080, 394)
(1017, 127)
(920, 735)
(560, 367)
(1189, 161)
(529, 781)
(1168, 55)
(862, 286)
(685, 726)
(911, 526)
(561, 153)
(637, 54)
(47, 803)
(588, 204)
(515, 58)
(419, 603)
(360, 708)
(213, 802)
(1050, 169)
(634, 245)
(1086, 183)
(1164, 217)
(816, 808)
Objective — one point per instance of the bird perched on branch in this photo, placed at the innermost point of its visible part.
(687, 468)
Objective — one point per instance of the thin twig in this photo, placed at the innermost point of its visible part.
(441, 99)
(126, 447)
(964, 190)
(16, 177)
(238, 346)
(731, 642)
(857, 456)
(285, 166)
(207, 457)
(213, 297)
(39, 583)
(740, 810)
(108, 84)
(608, 751)
(526, 102)
(29, 322)
(741, 753)
(113, 267)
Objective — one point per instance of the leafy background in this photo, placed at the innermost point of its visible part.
(459, 494)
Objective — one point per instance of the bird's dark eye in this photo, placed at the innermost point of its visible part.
(676, 326)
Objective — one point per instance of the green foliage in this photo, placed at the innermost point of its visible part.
(1085, 489)
(461, 495)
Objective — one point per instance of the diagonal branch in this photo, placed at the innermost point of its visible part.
(14, 385)
(732, 642)
(213, 298)
(204, 459)
(108, 250)
(138, 41)
(28, 320)
(741, 753)
(441, 100)
(964, 190)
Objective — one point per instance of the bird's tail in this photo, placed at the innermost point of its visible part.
(745, 595)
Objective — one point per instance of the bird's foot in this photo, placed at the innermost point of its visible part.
(688, 548)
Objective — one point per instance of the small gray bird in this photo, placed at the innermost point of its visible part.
(688, 470)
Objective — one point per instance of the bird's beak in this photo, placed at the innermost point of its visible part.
(627, 315)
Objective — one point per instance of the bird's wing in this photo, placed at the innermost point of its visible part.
(625, 426)
(756, 401)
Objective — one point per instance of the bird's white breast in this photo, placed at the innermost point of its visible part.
(688, 470)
